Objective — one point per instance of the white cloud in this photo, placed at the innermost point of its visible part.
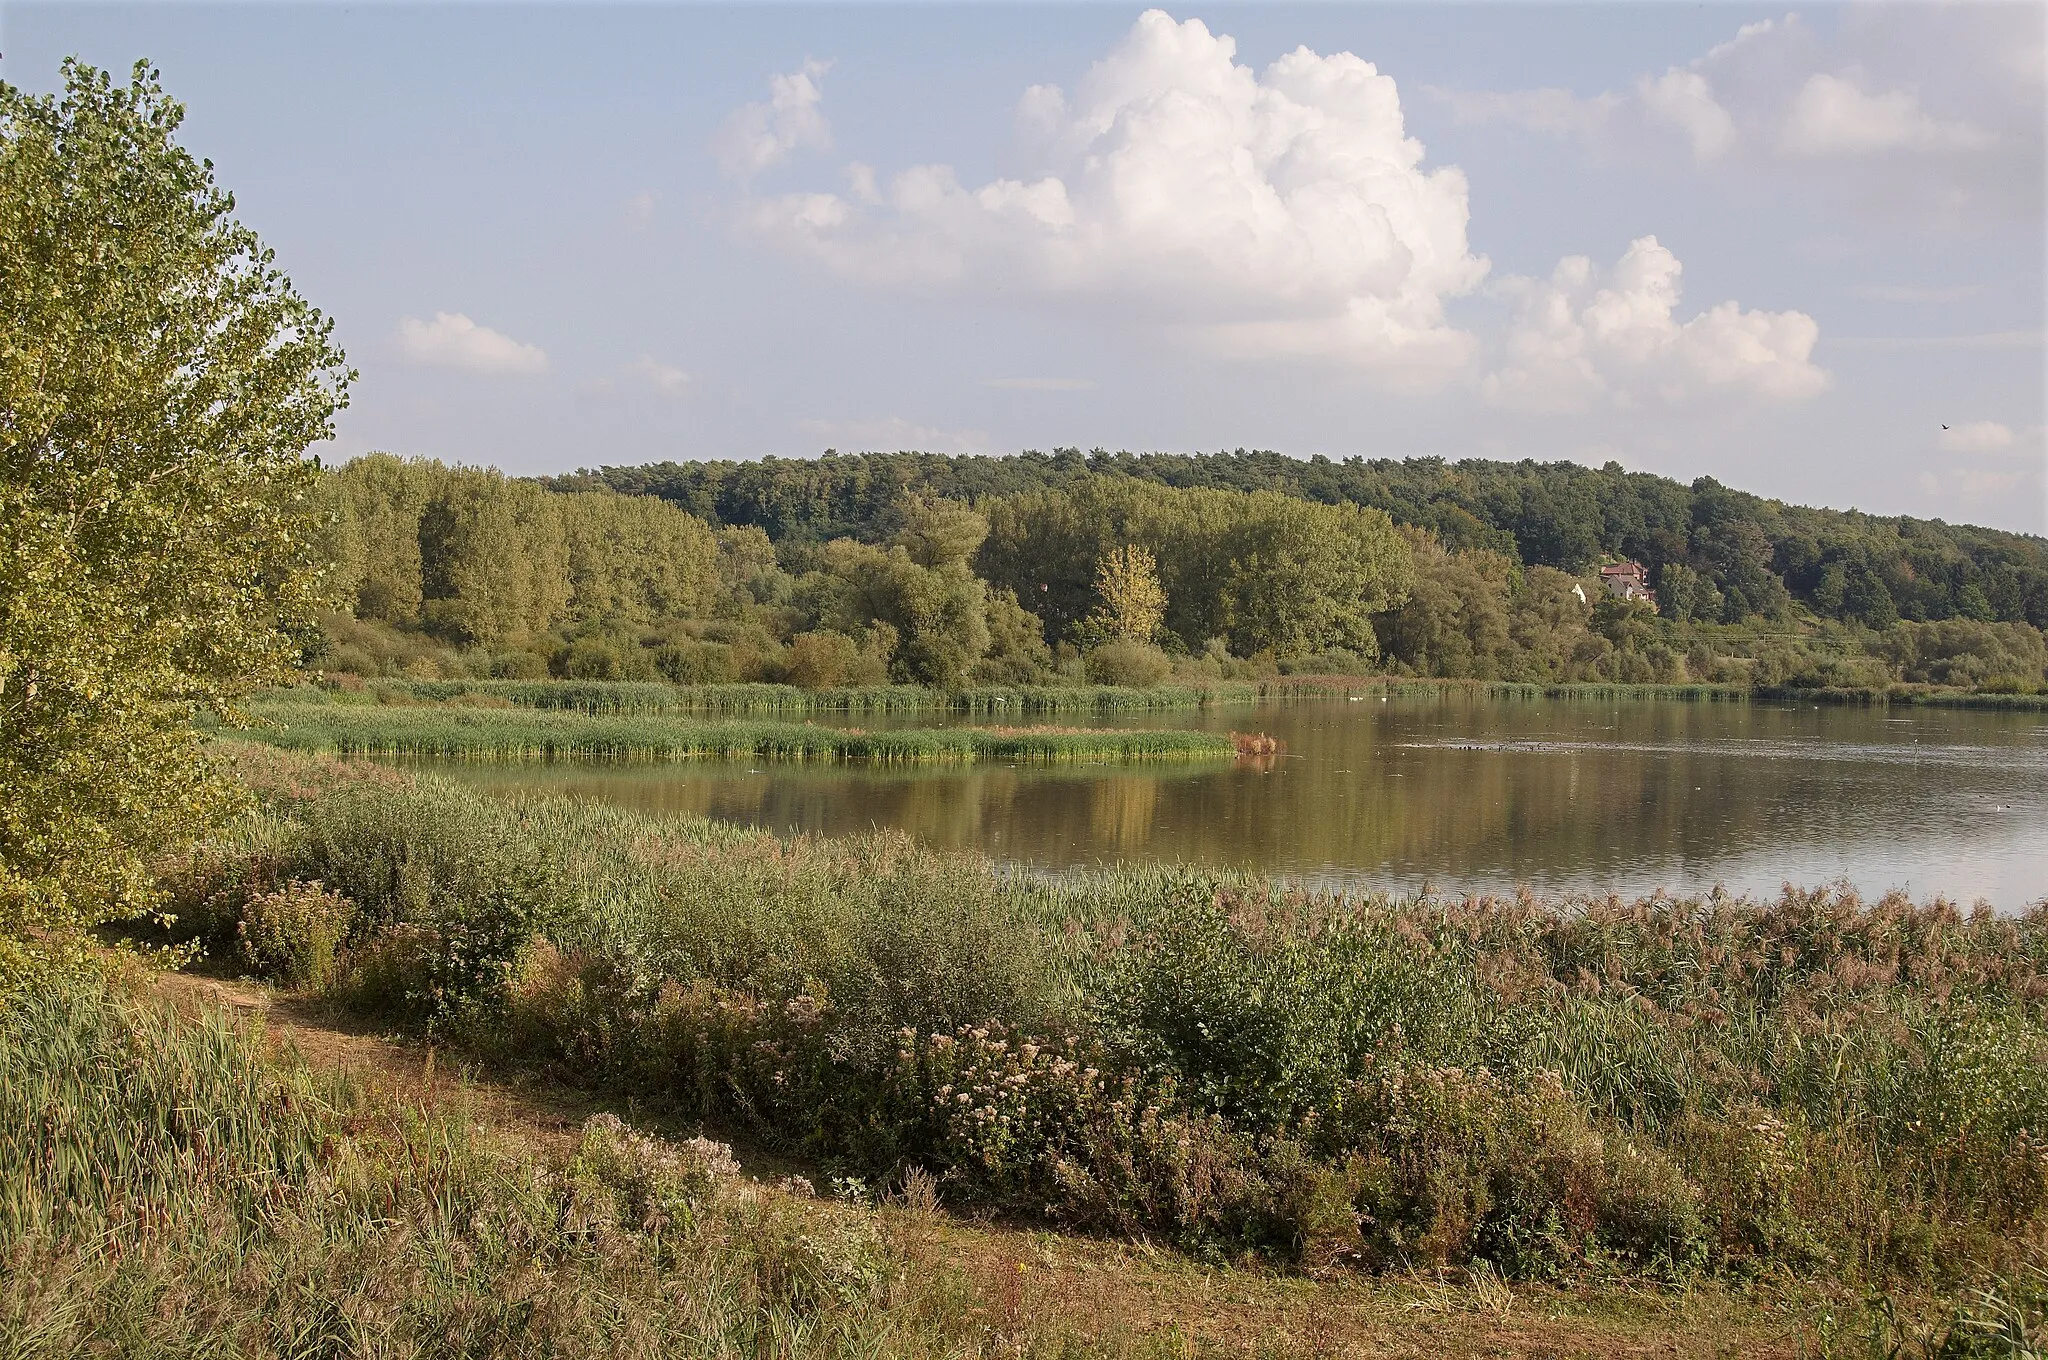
(892, 434)
(1684, 99)
(760, 136)
(1282, 213)
(1976, 436)
(645, 373)
(640, 211)
(664, 378)
(1558, 112)
(1935, 111)
(1042, 384)
(452, 340)
(1583, 338)
(1834, 115)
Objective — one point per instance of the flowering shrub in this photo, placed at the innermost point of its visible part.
(294, 933)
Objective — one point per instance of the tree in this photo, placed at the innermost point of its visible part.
(160, 382)
(1133, 602)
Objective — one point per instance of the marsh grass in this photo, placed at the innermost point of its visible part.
(628, 698)
(1571, 1091)
(527, 734)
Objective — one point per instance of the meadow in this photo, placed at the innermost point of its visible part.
(495, 733)
(1656, 1091)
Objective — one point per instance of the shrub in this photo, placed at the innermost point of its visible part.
(1124, 662)
(295, 933)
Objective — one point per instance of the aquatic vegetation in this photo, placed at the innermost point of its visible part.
(531, 734)
(620, 697)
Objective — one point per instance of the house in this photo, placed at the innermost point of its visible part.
(1628, 581)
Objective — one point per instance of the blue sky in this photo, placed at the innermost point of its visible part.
(1781, 247)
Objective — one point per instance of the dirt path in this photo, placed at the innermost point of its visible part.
(1107, 1288)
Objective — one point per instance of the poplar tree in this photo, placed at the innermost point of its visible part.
(160, 382)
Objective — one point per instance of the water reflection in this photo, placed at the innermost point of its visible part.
(1561, 796)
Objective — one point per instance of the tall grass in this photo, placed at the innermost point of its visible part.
(624, 697)
(519, 734)
(1320, 686)
(169, 1188)
(1656, 1088)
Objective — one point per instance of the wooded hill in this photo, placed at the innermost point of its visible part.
(1755, 555)
(1033, 569)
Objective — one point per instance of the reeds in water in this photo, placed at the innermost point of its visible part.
(527, 734)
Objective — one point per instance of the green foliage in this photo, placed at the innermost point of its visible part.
(1133, 603)
(1262, 571)
(1974, 655)
(473, 557)
(1126, 661)
(159, 383)
(1754, 556)
(294, 933)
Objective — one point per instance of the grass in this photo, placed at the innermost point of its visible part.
(168, 1187)
(1667, 1090)
(184, 1183)
(621, 697)
(528, 734)
(1313, 686)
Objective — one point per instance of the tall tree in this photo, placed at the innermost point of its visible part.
(160, 381)
(1133, 602)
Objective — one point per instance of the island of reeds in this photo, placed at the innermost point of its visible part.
(527, 734)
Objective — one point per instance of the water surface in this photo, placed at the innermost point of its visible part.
(1562, 796)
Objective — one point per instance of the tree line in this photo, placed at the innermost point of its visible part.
(1719, 554)
(856, 571)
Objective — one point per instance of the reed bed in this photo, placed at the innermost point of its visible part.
(531, 734)
(1320, 686)
(1567, 1091)
(625, 698)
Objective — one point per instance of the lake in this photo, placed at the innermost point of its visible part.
(1461, 794)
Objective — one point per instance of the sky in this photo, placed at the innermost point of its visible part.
(1798, 250)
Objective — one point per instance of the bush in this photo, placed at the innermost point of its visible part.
(1123, 662)
(294, 934)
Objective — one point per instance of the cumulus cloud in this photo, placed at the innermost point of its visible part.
(1977, 436)
(761, 136)
(1282, 213)
(452, 340)
(1685, 100)
(1585, 338)
(1933, 110)
(1834, 115)
(894, 433)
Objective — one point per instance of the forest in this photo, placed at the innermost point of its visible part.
(1128, 570)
